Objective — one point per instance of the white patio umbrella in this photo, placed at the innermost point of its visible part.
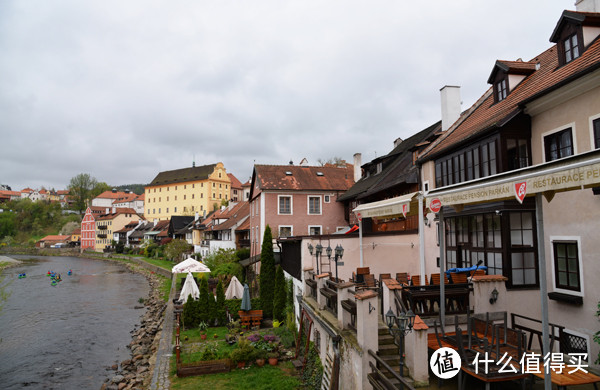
(190, 265)
(189, 288)
(235, 289)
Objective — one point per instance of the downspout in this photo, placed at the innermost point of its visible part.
(360, 241)
(421, 237)
(442, 269)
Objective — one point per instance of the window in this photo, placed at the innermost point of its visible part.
(475, 162)
(285, 231)
(175, 209)
(566, 265)
(571, 48)
(517, 153)
(314, 205)
(285, 204)
(314, 230)
(558, 145)
(501, 90)
(596, 126)
(523, 258)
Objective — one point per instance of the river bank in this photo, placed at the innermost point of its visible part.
(134, 372)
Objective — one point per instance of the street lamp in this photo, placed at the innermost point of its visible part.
(318, 251)
(339, 252)
(405, 323)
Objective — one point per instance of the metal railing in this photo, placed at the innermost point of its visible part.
(378, 378)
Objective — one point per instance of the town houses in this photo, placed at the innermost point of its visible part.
(487, 213)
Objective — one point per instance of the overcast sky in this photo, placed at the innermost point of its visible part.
(125, 89)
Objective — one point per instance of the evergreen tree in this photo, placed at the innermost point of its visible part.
(221, 312)
(189, 313)
(212, 308)
(267, 274)
(279, 297)
(203, 301)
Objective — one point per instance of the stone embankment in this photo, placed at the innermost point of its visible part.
(136, 372)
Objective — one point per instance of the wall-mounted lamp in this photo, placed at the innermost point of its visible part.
(494, 296)
(338, 254)
(371, 308)
(318, 250)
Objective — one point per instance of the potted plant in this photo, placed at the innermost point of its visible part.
(260, 356)
(273, 358)
(203, 326)
(242, 353)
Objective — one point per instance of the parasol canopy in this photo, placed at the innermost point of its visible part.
(189, 288)
(246, 305)
(235, 289)
(190, 265)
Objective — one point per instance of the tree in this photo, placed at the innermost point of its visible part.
(279, 297)
(267, 274)
(204, 309)
(99, 188)
(175, 248)
(221, 312)
(80, 188)
(336, 161)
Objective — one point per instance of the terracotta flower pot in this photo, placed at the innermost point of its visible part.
(241, 364)
(260, 362)
(273, 361)
(203, 336)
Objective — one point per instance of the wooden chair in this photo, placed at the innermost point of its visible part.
(435, 279)
(477, 272)
(415, 280)
(384, 276)
(458, 277)
(402, 278)
(360, 274)
(368, 282)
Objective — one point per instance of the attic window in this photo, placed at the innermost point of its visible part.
(379, 168)
(288, 173)
(571, 48)
(320, 174)
(501, 90)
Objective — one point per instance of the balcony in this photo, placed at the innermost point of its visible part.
(102, 227)
(244, 243)
(101, 235)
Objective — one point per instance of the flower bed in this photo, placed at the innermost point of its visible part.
(204, 367)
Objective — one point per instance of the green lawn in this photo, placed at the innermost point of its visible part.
(280, 377)
(166, 264)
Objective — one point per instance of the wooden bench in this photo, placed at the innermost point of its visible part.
(256, 317)
(350, 306)
(245, 318)
(330, 297)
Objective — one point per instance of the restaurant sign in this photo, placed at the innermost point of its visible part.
(586, 175)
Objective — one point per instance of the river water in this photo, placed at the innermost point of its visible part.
(65, 336)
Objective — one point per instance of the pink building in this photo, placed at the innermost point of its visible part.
(88, 230)
(297, 200)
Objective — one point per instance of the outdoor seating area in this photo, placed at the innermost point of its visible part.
(250, 318)
(495, 339)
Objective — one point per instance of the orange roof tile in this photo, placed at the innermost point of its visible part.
(293, 177)
(235, 183)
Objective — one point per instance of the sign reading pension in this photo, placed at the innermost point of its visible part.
(561, 180)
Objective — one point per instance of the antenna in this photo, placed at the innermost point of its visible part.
(194, 160)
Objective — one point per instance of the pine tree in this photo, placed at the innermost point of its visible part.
(203, 302)
(267, 274)
(221, 312)
(189, 315)
(280, 295)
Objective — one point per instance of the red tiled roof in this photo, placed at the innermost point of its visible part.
(28, 190)
(235, 183)
(55, 238)
(298, 178)
(118, 210)
(486, 114)
(112, 195)
(10, 193)
(245, 225)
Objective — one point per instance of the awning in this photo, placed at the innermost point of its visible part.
(386, 208)
(581, 171)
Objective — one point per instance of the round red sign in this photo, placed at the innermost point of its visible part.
(435, 205)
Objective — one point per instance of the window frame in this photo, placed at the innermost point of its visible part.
(595, 138)
(567, 240)
(556, 133)
(308, 199)
(279, 197)
(501, 89)
(291, 227)
(320, 227)
(567, 52)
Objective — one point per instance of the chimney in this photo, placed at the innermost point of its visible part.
(450, 105)
(114, 190)
(196, 216)
(587, 5)
(107, 210)
(357, 165)
(155, 222)
(397, 142)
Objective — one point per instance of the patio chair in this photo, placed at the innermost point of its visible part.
(402, 278)
(415, 280)
(435, 279)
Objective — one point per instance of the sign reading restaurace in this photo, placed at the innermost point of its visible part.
(586, 175)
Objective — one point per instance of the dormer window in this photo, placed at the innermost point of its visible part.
(379, 168)
(501, 90)
(571, 48)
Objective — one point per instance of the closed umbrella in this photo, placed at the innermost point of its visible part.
(189, 288)
(235, 289)
(246, 299)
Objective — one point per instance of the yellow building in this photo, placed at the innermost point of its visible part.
(107, 224)
(187, 191)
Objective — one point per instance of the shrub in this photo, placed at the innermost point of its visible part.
(221, 312)
(313, 372)
(203, 300)
(279, 296)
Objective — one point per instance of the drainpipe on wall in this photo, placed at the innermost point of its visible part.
(421, 237)
(360, 241)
